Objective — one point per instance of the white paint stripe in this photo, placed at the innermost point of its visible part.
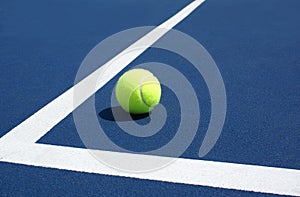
(187, 171)
(33, 128)
(18, 145)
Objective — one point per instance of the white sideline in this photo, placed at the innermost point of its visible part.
(19, 145)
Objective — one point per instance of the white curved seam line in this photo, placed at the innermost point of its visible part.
(141, 89)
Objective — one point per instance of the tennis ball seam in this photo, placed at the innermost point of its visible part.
(141, 90)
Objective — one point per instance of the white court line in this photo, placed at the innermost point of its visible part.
(18, 145)
(186, 171)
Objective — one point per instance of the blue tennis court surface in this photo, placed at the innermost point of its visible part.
(254, 43)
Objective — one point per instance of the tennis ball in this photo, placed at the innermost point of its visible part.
(138, 91)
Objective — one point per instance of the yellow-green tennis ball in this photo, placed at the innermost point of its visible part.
(138, 91)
